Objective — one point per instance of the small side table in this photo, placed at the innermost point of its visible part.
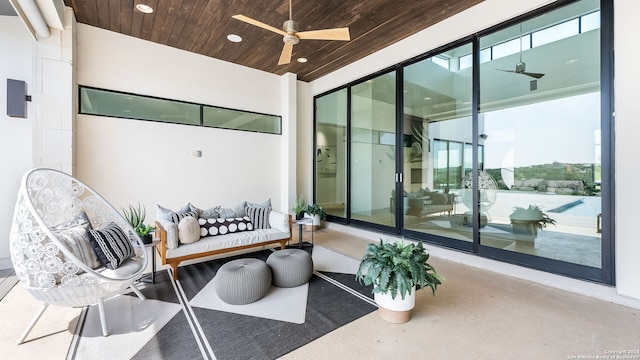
(302, 222)
(151, 278)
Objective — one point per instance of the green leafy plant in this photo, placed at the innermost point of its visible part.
(300, 206)
(135, 217)
(532, 213)
(396, 268)
(314, 209)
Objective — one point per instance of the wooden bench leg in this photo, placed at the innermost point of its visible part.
(174, 267)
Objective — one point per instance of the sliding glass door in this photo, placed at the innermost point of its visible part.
(331, 153)
(540, 111)
(498, 145)
(438, 137)
(373, 150)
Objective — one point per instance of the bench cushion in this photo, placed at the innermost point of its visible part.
(211, 243)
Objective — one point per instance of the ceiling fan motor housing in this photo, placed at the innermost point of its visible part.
(290, 27)
(520, 67)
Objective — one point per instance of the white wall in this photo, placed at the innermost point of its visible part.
(627, 108)
(130, 160)
(304, 137)
(492, 12)
(15, 133)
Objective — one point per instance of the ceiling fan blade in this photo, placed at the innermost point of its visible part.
(257, 23)
(326, 34)
(285, 56)
(533, 75)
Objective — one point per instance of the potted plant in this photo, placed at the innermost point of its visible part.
(300, 207)
(135, 217)
(316, 213)
(395, 270)
(527, 221)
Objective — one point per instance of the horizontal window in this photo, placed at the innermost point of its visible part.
(129, 106)
(139, 107)
(241, 120)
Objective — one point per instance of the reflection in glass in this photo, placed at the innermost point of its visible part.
(373, 124)
(331, 132)
(437, 128)
(542, 140)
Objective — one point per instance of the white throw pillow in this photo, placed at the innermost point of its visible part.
(188, 230)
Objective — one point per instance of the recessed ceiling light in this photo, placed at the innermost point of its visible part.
(144, 8)
(234, 38)
(427, 98)
(302, 60)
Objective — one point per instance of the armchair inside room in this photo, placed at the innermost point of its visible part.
(58, 222)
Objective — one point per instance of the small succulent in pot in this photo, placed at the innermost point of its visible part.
(135, 217)
(300, 207)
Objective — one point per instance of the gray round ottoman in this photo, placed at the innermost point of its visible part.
(242, 281)
(290, 267)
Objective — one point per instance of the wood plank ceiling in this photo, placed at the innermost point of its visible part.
(202, 26)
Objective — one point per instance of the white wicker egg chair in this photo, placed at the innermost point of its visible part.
(47, 264)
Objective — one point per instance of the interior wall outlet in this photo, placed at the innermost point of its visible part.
(196, 153)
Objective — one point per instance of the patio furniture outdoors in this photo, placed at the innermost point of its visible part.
(55, 220)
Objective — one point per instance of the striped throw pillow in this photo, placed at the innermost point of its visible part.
(112, 245)
(176, 217)
(259, 216)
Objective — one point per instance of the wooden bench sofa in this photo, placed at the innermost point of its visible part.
(173, 253)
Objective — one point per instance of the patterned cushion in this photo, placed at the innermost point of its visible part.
(259, 216)
(220, 226)
(188, 230)
(73, 234)
(77, 240)
(112, 245)
(176, 217)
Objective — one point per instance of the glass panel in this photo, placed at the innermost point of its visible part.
(129, 106)
(331, 152)
(372, 161)
(530, 161)
(466, 61)
(555, 33)
(437, 124)
(511, 47)
(442, 61)
(240, 120)
(485, 55)
(590, 22)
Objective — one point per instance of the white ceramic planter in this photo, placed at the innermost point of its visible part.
(316, 221)
(395, 310)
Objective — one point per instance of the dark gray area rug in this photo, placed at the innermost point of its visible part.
(193, 331)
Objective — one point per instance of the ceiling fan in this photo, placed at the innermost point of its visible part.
(521, 66)
(291, 36)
